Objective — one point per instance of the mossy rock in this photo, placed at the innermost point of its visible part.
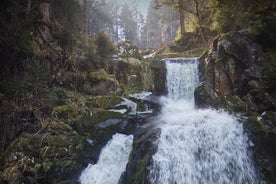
(65, 112)
(102, 115)
(235, 104)
(98, 75)
(263, 100)
(87, 126)
(47, 157)
(132, 89)
(100, 83)
(104, 102)
(132, 61)
(57, 127)
(205, 98)
(257, 125)
(141, 169)
(74, 108)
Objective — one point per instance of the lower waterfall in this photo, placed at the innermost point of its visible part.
(112, 162)
(198, 146)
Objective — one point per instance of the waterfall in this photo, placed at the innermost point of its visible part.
(198, 146)
(181, 78)
(112, 162)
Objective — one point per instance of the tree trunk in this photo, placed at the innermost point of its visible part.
(181, 17)
(85, 22)
(44, 9)
(29, 5)
(201, 31)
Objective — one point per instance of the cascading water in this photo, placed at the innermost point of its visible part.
(181, 78)
(112, 162)
(198, 146)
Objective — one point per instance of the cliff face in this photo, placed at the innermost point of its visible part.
(233, 66)
(232, 77)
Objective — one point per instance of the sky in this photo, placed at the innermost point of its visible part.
(142, 4)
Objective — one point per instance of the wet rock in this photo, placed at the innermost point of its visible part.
(261, 132)
(133, 74)
(205, 98)
(109, 122)
(159, 77)
(101, 83)
(235, 104)
(144, 147)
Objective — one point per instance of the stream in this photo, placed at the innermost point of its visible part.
(195, 146)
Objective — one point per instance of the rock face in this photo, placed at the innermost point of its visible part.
(144, 147)
(233, 66)
(159, 77)
(231, 77)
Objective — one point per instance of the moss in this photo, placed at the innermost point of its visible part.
(100, 83)
(42, 157)
(61, 93)
(258, 125)
(98, 75)
(132, 89)
(65, 111)
(102, 115)
(269, 72)
(235, 104)
(204, 54)
(58, 127)
(104, 102)
(141, 167)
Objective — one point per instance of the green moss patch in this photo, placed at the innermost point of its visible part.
(141, 169)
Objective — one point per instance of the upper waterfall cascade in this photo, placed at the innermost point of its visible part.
(181, 78)
(198, 146)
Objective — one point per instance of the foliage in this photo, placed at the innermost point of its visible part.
(67, 13)
(161, 26)
(270, 71)
(243, 16)
(129, 25)
(98, 16)
(127, 49)
(104, 47)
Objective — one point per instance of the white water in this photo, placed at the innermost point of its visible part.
(112, 162)
(198, 146)
(182, 77)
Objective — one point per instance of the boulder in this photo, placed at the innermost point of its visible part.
(101, 83)
(233, 66)
(133, 74)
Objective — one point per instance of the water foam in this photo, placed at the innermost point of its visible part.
(112, 162)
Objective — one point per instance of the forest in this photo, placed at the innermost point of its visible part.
(66, 63)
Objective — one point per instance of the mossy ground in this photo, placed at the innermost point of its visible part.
(54, 153)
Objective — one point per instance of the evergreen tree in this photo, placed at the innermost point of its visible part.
(180, 6)
(129, 24)
(99, 18)
(161, 25)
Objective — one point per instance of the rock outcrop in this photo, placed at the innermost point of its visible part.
(233, 66)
